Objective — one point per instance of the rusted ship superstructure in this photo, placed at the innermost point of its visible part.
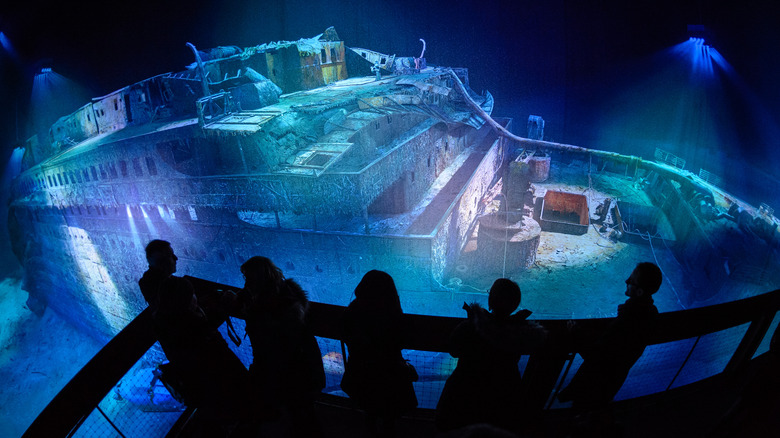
(334, 161)
(272, 150)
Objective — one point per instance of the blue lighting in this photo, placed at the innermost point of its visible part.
(53, 96)
(6, 44)
(699, 54)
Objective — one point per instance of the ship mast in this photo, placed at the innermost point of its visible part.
(201, 70)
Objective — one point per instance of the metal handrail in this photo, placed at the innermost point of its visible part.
(71, 406)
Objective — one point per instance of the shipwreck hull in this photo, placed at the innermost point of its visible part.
(332, 175)
(84, 254)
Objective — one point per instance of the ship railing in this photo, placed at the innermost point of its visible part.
(213, 107)
(116, 395)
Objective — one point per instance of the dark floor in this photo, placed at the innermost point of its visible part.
(748, 406)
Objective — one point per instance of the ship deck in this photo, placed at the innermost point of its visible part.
(581, 276)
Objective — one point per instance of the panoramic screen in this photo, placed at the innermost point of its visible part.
(557, 147)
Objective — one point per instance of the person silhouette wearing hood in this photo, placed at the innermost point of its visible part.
(485, 385)
(287, 371)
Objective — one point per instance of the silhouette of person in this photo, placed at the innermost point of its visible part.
(215, 380)
(485, 385)
(377, 377)
(287, 371)
(162, 264)
(610, 357)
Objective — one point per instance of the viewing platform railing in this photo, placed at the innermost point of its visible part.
(115, 390)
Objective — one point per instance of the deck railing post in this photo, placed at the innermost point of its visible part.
(750, 342)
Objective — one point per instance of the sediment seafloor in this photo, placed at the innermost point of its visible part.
(39, 354)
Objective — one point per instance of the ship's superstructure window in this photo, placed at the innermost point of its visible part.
(94, 173)
(137, 167)
(111, 170)
(151, 166)
(59, 179)
(123, 168)
(103, 174)
(86, 175)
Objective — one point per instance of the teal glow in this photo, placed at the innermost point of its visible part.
(689, 101)
(52, 97)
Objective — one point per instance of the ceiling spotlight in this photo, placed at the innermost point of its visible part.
(698, 34)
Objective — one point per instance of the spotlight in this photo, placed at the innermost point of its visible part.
(698, 34)
(5, 43)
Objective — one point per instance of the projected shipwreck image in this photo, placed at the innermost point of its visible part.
(444, 151)
(334, 160)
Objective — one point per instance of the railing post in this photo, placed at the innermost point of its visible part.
(750, 342)
(540, 376)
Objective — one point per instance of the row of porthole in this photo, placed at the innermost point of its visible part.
(91, 173)
(190, 252)
(120, 243)
(118, 210)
